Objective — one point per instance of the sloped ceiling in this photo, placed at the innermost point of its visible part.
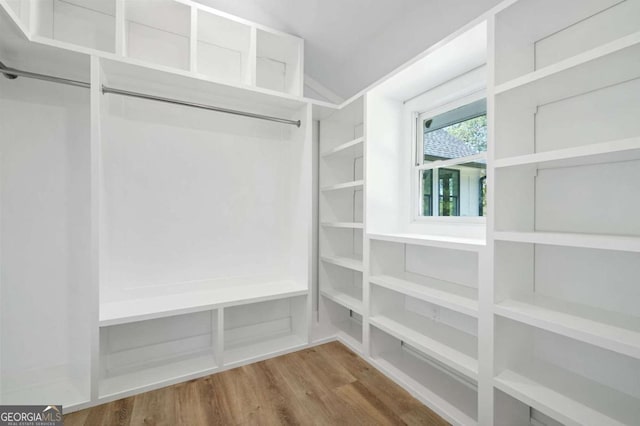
(349, 44)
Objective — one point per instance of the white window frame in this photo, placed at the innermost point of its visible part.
(418, 164)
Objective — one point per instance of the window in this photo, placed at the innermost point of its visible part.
(451, 161)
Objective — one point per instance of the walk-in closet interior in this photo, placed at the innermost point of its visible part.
(172, 206)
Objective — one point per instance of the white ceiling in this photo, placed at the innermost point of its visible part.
(351, 43)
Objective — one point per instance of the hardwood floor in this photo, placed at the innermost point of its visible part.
(323, 385)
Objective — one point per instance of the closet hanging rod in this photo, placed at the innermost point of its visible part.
(106, 89)
(13, 73)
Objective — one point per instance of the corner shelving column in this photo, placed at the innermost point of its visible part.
(565, 235)
(342, 151)
(423, 319)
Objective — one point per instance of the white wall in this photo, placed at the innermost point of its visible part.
(44, 235)
(193, 195)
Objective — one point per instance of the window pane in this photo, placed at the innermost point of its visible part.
(460, 190)
(427, 189)
(458, 133)
(449, 192)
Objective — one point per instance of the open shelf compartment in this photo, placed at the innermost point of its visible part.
(21, 9)
(148, 354)
(346, 322)
(342, 132)
(447, 336)
(279, 62)
(86, 23)
(585, 294)
(353, 148)
(158, 32)
(342, 245)
(570, 381)
(343, 204)
(444, 277)
(223, 48)
(571, 196)
(583, 111)
(535, 35)
(342, 285)
(452, 396)
(265, 329)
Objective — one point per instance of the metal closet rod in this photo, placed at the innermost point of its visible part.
(13, 73)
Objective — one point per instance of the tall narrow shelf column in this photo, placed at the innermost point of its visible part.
(342, 221)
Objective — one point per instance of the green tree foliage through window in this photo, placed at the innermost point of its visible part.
(473, 132)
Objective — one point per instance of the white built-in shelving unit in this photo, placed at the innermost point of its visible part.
(177, 35)
(174, 243)
(565, 235)
(163, 242)
(536, 323)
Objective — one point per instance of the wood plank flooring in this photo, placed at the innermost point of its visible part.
(323, 385)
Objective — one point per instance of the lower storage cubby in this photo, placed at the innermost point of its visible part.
(451, 395)
(447, 336)
(264, 329)
(572, 382)
(511, 412)
(342, 285)
(146, 354)
(346, 322)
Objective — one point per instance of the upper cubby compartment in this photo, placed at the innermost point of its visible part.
(223, 48)
(180, 34)
(21, 10)
(158, 32)
(279, 63)
(87, 23)
(532, 35)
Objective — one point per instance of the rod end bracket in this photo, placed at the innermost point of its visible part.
(4, 69)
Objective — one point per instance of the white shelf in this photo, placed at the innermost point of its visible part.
(450, 399)
(445, 344)
(135, 75)
(593, 326)
(169, 372)
(603, 66)
(157, 302)
(567, 397)
(350, 225)
(347, 185)
(448, 295)
(262, 349)
(350, 332)
(341, 297)
(595, 241)
(352, 148)
(345, 262)
(440, 241)
(605, 152)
